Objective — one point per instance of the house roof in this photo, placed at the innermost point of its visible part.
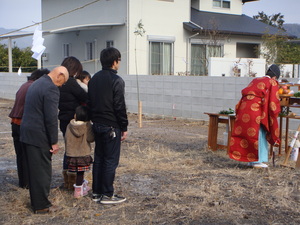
(244, 1)
(230, 24)
(14, 35)
(85, 27)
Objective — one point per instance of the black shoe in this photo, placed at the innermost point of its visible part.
(51, 209)
(24, 186)
(96, 197)
(115, 199)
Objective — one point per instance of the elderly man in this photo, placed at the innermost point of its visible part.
(39, 132)
(16, 118)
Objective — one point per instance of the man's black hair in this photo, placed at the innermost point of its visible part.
(108, 56)
(38, 73)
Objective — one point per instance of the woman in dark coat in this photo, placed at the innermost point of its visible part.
(71, 96)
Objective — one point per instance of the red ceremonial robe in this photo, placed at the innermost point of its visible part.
(258, 106)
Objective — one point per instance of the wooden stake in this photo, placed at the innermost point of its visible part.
(298, 162)
(288, 153)
(140, 113)
(287, 156)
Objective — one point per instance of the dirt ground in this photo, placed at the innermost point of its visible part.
(168, 176)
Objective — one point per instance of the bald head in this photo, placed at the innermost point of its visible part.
(59, 75)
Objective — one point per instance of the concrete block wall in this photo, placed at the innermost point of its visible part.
(183, 96)
(188, 97)
(10, 83)
(168, 96)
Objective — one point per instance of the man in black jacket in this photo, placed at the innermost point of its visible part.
(39, 131)
(109, 117)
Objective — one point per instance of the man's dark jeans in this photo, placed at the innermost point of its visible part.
(63, 127)
(106, 158)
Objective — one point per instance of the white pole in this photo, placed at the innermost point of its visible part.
(96, 56)
(39, 63)
(9, 56)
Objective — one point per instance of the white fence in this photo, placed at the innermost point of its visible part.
(246, 67)
(241, 67)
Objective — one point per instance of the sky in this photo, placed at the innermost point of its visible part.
(16, 14)
(288, 8)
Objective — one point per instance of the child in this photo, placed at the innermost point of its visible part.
(82, 79)
(78, 138)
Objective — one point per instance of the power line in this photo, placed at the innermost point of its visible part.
(52, 18)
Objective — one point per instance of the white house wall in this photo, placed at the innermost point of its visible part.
(78, 41)
(230, 44)
(161, 19)
(112, 11)
(235, 7)
(102, 12)
(230, 49)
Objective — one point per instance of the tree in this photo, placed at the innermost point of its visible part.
(139, 31)
(277, 49)
(3, 58)
(25, 60)
(20, 57)
(275, 20)
(289, 53)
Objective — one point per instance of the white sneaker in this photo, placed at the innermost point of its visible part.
(257, 165)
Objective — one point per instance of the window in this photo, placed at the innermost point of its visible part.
(195, 4)
(161, 58)
(226, 4)
(247, 50)
(217, 3)
(90, 50)
(66, 50)
(109, 44)
(199, 57)
(221, 4)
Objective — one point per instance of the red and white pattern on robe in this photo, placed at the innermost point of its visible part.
(259, 105)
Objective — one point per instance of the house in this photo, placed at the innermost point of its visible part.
(155, 37)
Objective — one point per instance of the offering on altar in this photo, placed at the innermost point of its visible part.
(284, 90)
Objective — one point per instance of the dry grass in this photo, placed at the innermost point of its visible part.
(169, 177)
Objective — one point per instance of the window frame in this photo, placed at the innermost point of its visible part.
(110, 43)
(224, 4)
(162, 68)
(90, 50)
(66, 50)
(207, 48)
